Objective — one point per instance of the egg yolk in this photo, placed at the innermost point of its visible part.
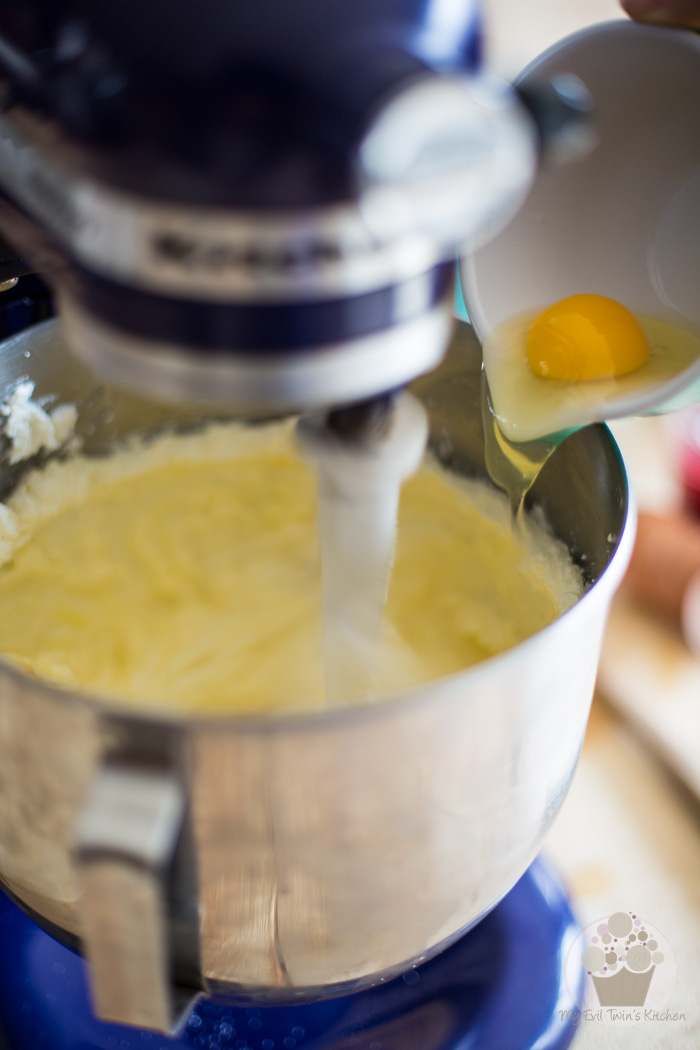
(585, 337)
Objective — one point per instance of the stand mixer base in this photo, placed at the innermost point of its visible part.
(499, 988)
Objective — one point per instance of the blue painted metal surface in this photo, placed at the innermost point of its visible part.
(499, 988)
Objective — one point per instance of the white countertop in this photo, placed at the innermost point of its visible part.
(625, 840)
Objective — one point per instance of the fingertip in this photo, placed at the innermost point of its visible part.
(664, 12)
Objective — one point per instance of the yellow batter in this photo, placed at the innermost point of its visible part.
(185, 573)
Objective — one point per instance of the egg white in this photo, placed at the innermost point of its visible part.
(528, 406)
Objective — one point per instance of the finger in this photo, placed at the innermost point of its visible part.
(665, 12)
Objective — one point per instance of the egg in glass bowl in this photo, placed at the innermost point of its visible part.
(618, 223)
(582, 359)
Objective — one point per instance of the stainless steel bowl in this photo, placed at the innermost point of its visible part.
(299, 857)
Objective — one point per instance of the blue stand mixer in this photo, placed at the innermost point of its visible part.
(500, 986)
(259, 204)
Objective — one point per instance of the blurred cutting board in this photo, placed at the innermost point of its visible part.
(651, 679)
(646, 672)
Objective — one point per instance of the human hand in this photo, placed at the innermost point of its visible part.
(665, 12)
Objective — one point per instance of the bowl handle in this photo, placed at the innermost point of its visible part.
(127, 835)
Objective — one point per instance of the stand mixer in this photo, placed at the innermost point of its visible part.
(255, 208)
(258, 206)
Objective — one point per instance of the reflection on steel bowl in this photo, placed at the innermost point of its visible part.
(299, 857)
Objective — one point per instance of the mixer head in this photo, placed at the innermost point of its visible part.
(256, 203)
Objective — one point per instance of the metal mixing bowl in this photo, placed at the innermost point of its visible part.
(299, 857)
